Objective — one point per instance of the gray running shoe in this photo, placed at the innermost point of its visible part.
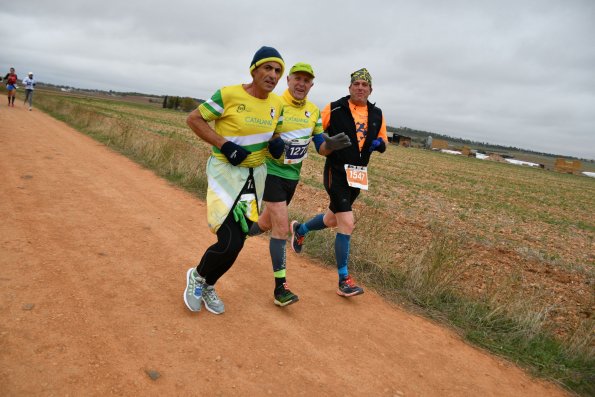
(212, 301)
(194, 290)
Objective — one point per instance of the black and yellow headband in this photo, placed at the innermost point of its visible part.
(361, 74)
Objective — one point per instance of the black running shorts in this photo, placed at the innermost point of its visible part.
(277, 189)
(341, 194)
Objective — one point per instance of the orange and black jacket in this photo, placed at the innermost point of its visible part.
(342, 121)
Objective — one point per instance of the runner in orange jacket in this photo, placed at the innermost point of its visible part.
(345, 170)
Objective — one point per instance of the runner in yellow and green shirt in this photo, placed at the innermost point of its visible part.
(245, 117)
(301, 124)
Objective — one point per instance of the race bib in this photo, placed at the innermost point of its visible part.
(296, 150)
(357, 176)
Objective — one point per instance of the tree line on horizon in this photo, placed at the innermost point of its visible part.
(188, 104)
(185, 104)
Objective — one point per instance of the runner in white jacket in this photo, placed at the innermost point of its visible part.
(29, 83)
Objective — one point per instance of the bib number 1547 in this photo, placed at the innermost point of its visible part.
(357, 176)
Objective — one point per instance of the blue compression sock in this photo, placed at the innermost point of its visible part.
(316, 223)
(342, 243)
(277, 250)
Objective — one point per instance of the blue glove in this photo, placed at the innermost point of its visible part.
(378, 144)
(234, 153)
(276, 147)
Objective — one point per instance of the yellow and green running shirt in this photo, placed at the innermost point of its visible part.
(301, 120)
(244, 120)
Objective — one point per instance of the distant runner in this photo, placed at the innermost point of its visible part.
(29, 83)
(11, 86)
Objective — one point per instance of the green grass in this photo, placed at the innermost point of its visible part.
(416, 229)
(426, 286)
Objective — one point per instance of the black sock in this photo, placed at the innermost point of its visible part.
(279, 282)
(255, 230)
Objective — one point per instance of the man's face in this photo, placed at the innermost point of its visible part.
(360, 90)
(299, 84)
(11, 70)
(267, 75)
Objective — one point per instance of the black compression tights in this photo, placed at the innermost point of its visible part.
(219, 257)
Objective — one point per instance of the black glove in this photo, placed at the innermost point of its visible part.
(235, 153)
(378, 144)
(276, 147)
(337, 142)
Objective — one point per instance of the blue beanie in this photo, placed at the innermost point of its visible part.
(266, 54)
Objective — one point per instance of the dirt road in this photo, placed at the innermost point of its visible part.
(93, 255)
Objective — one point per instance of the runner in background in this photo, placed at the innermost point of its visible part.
(29, 83)
(301, 123)
(11, 85)
(345, 170)
(245, 118)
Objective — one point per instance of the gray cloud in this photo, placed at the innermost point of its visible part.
(517, 73)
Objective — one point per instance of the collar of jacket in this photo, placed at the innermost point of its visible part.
(295, 102)
(345, 102)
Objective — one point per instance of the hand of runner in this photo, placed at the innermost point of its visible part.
(337, 142)
(378, 144)
(234, 153)
(276, 147)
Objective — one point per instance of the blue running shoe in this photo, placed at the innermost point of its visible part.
(347, 287)
(297, 241)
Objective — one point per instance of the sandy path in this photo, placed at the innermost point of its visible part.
(94, 251)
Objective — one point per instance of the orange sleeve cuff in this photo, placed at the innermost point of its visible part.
(382, 132)
(326, 116)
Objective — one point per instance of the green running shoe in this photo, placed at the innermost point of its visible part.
(284, 297)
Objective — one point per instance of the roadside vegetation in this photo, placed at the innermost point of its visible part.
(501, 253)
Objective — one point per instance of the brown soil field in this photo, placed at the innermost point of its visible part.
(94, 251)
(509, 254)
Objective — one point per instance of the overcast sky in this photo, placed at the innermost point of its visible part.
(517, 73)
